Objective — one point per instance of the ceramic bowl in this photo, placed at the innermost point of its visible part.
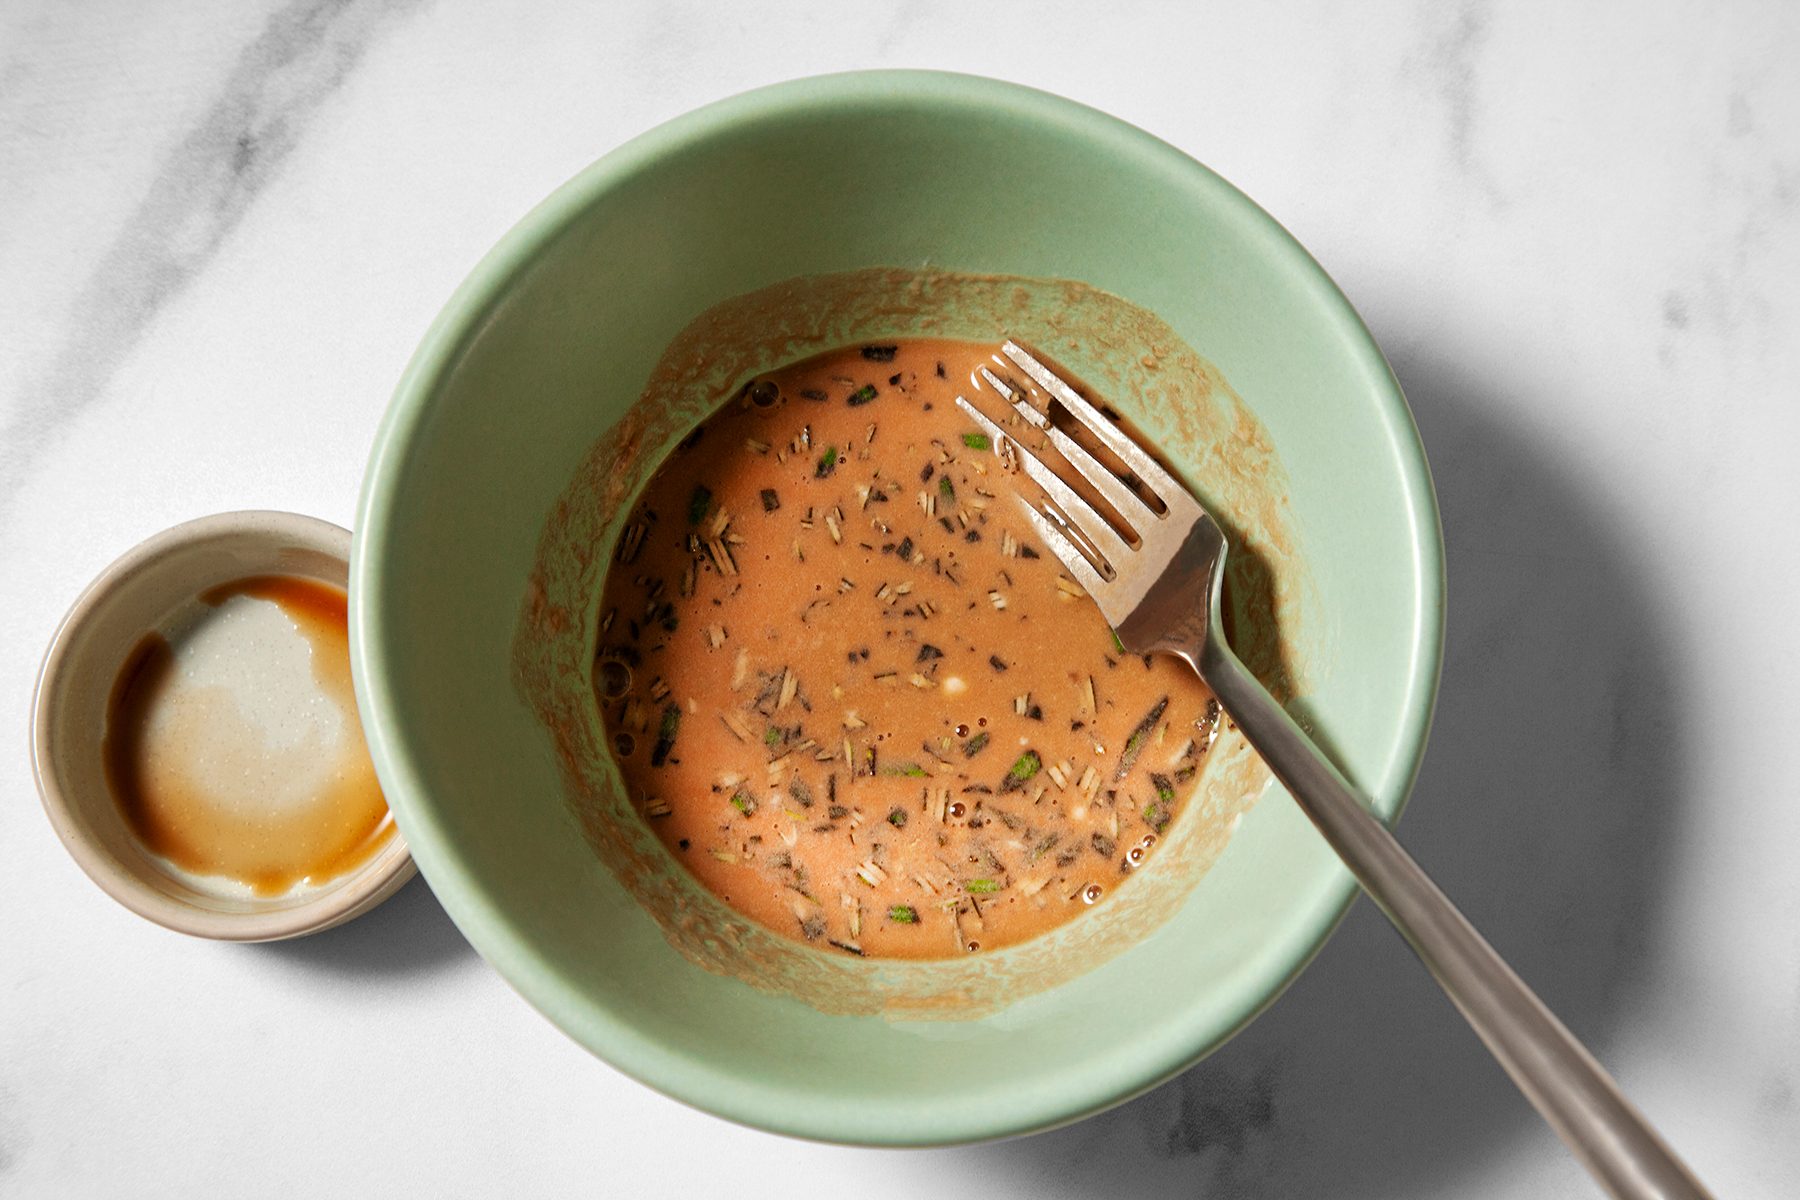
(130, 598)
(551, 339)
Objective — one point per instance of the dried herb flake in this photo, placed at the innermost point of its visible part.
(1134, 745)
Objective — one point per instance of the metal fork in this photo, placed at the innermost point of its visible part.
(1160, 588)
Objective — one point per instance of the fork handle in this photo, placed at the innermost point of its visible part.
(1554, 1070)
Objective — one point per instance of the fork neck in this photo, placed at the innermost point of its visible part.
(1181, 611)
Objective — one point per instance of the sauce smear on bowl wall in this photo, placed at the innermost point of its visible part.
(233, 747)
(851, 692)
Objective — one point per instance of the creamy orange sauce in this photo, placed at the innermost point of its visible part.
(852, 693)
(237, 754)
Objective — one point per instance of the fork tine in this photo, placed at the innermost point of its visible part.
(1146, 468)
(1081, 515)
(1070, 557)
(1007, 393)
(1125, 502)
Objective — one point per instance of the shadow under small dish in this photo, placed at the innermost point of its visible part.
(541, 401)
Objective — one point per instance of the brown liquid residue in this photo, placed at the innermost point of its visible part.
(155, 728)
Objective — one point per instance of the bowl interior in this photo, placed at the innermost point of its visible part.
(551, 340)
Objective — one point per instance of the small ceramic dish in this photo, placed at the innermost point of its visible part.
(132, 597)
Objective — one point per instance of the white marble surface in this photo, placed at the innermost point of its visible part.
(1576, 229)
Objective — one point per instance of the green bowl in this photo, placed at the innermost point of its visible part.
(552, 337)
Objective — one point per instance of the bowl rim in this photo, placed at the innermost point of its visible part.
(368, 886)
(722, 1092)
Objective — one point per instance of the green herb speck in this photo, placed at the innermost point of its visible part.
(862, 395)
(699, 503)
(896, 817)
(982, 887)
(903, 914)
(977, 441)
(828, 462)
(665, 735)
(946, 489)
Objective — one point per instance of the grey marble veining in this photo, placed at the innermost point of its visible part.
(199, 195)
(1574, 229)
(1448, 60)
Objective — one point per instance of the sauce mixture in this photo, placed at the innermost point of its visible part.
(236, 750)
(851, 691)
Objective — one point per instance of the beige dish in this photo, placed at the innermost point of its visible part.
(130, 598)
